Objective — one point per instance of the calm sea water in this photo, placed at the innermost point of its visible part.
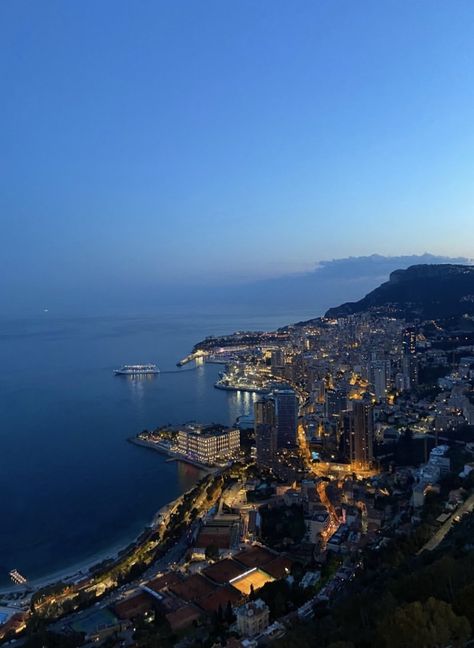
(71, 487)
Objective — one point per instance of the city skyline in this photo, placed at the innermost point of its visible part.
(237, 324)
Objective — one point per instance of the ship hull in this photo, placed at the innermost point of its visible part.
(119, 372)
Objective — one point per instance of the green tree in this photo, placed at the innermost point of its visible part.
(212, 552)
(229, 613)
(432, 624)
(464, 603)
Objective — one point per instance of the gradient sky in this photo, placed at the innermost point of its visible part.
(213, 141)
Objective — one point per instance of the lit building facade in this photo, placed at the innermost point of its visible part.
(286, 408)
(265, 431)
(253, 618)
(208, 445)
(378, 379)
(359, 432)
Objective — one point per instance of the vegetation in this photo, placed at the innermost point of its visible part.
(282, 525)
(58, 599)
(282, 597)
(421, 291)
(402, 599)
(43, 638)
(429, 374)
(212, 552)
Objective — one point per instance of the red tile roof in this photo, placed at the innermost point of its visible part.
(255, 556)
(221, 597)
(219, 536)
(192, 588)
(133, 606)
(279, 567)
(183, 617)
(162, 582)
(222, 571)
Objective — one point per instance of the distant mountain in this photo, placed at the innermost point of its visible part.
(420, 291)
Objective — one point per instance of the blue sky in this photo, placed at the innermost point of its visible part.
(168, 143)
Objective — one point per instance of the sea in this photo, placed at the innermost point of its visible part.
(72, 489)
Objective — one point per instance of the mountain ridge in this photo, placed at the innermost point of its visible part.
(423, 291)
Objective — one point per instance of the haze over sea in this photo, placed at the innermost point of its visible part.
(72, 489)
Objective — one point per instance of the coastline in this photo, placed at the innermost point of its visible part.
(75, 573)
(173, 456)
(89, 336)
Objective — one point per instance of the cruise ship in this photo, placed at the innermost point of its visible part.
(136, 370)
(16, 577)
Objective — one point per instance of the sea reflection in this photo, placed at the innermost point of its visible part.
(240, 403)
(137, 385)
(188, 475)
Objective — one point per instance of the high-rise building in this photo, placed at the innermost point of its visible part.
(265, 431)
(335, 402)
(286, 409)
(378, 378)
(319, 391)
(410, 370)
(409, 341)
(277, 360)
(359, 430)
(409, 360)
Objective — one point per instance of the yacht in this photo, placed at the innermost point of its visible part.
(136, 370)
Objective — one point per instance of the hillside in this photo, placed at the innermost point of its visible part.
(420, 291)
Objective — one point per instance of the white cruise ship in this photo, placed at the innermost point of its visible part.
(136, 370)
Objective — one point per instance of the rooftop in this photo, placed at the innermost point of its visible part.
(279, 567)
(252, 607)
(183, 617)
(223, 571)
(220, 597)
(97, 620)
(193, 588)
(133, 606)
(162, 582)
(255, 556)
(218, 535)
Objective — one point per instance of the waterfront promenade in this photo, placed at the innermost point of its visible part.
(175, 456)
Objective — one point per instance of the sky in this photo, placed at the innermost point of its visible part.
(168, 144)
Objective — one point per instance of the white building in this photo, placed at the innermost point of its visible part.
(439, 458)
(316, 524)
(252, 618)
(208, 445)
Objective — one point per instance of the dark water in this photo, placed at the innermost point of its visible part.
(71, 487)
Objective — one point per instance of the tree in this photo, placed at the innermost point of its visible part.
(229, 613)
(432, 624)
(212, 552)
(464, 603)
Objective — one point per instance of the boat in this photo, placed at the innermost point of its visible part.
(16, 577)
(137, 370)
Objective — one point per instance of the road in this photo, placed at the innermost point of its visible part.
(442, 532)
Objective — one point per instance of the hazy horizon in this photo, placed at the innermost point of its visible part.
(151, 151)
(328, 284)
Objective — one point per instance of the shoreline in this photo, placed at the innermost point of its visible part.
(172, 456)
(82, 569)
